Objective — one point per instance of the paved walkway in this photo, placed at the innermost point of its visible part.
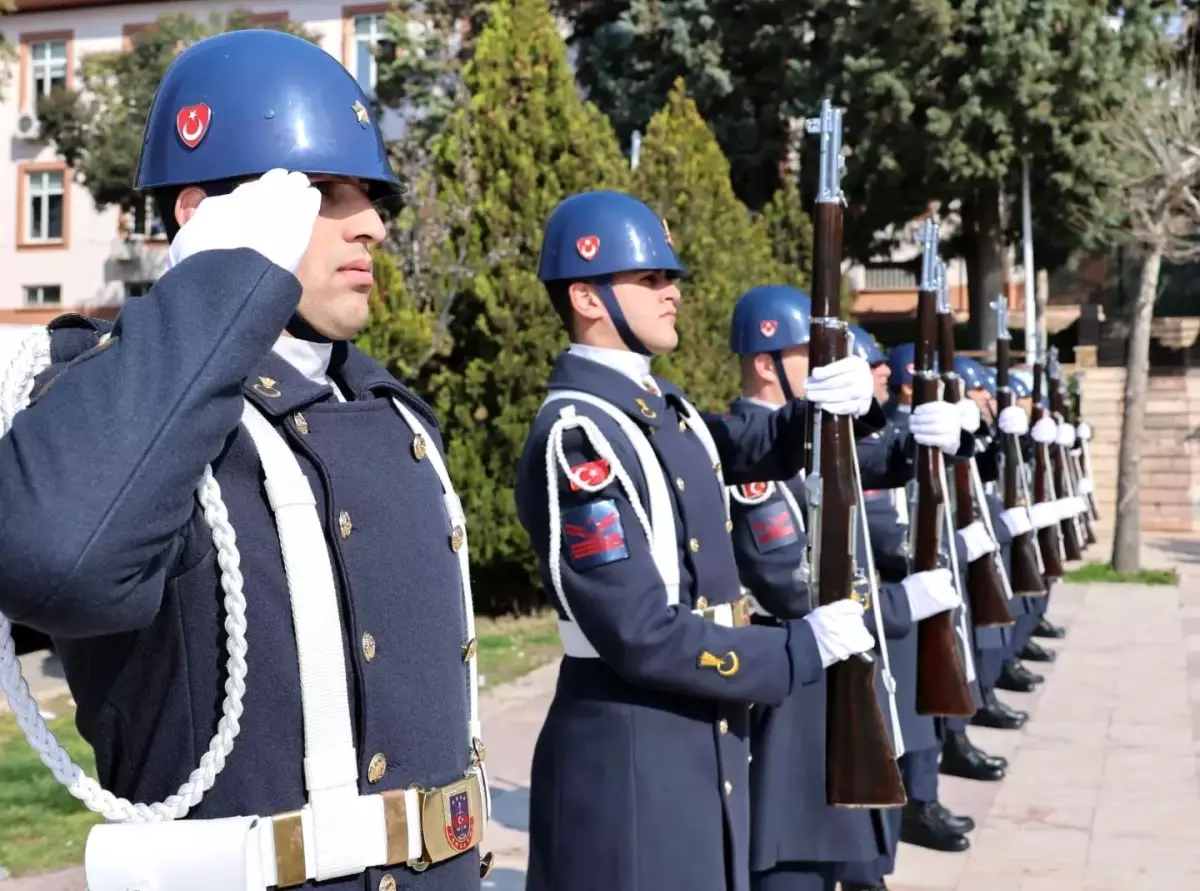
(1103, 790)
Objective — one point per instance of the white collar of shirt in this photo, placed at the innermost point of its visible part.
(904, 408)
(762, 403)
(634, 366)
(310, 359)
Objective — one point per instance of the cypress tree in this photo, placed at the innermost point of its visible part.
(529, 141)
(683, 174)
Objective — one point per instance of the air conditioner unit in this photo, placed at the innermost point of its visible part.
(29, 127)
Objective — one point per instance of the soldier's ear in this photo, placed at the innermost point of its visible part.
(186, 203)
(764, 367)
(586, 302)
(910, 368)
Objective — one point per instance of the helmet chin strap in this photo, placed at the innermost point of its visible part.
(300, 329)
(784, 383)
(609, 298)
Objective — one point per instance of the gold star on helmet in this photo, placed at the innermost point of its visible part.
(360, 112)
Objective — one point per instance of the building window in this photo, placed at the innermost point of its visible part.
(43, 295)
(369, 31)
(43, 206)
(143, 221)
(137, 289)
(48, 68)
(888, 278)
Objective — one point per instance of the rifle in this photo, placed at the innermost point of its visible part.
(989, 602)
(1085, 453)
(1080, 523)
(1026, 572)
(942, 686)
(1049, 539)
(860, 765)
(1072, 538)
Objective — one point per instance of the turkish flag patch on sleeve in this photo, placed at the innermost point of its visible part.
(593, 473)
(594, 535)
(772, 526)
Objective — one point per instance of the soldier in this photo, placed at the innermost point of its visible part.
(640, 777)
(360, 682)
(797, 841)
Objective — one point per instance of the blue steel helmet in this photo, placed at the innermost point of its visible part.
(594, 235)
(901, 356)
(971, 372)
(989, 380)
(769, 319)
(865, 345)
(236, 105)
(1020, 382)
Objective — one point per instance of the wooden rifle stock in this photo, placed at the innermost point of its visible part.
(989, 603)
(1080, 527)
(860, 765)
(1072, 546)
(1026, 577)
(942, 686)
(1048, 538)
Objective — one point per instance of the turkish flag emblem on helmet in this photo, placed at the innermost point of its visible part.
(191, 123)
(588, 247)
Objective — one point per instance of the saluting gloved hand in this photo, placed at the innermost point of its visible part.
(273, 215)
(1045, 431)
(930, 593)
(936, 424)
(1014, 421)
(1066, 435)
(840, 631)
(844, 387)
(968, 414)
(1084, 431)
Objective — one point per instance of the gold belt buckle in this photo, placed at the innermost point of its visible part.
(451, 822)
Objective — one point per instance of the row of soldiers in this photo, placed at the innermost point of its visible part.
(686, 745)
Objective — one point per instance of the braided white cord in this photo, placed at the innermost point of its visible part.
(32, 358)
(568, 420)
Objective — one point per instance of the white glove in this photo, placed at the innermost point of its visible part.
(936, 424)
(977, 541)
(1014, 421)
(1017, 521)
(930, 593)
(1084, 430)
(840, 631)
(1085, 486)
(968, 415)
(1044, 515)
(273, 215)
(1045, 431)
(1066, 435)
(844, 387)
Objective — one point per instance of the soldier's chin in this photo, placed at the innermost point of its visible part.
(664, 343)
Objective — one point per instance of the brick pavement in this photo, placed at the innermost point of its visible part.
(1103, 790)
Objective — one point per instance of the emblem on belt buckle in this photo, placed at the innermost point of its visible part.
(459, 825)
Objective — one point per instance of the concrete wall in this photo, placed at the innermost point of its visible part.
(1170, 468)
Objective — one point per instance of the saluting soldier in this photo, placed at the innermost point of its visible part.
(640, 775)
(145, 451)
(799, 842)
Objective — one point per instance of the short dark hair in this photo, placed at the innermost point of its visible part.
(164, 200)
(560, 300)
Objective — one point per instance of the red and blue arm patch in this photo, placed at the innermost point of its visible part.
(772, 526)
(594, 535)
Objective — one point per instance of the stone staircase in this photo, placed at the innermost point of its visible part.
(1170, 468)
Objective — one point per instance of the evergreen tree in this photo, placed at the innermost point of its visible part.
(683, 175)
(531, 142)
(790, 232)
(97, 129)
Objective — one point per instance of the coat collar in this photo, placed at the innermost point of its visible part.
(573, 372)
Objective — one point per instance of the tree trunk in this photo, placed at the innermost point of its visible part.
(1127, 536)
(985, 264)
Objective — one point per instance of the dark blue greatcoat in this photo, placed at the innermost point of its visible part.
(640, 775)
(103, 546)
(790, 820)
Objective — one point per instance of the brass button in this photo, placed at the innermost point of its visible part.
(729, 525)
(694, 545)
(679, 483)
(682, 426)
(344, 524)
(368, 645)
(723, 726)
(377, 768)
(701, 602)
(301, 423)
(456, 539)
(717, 468)
(728, 788)
(469, 649)
(387, 883)
(486, 862)
(419, 448)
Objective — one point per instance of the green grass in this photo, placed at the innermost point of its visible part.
(42, 827)
(1103, 572)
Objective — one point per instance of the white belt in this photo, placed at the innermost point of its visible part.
(409, 827)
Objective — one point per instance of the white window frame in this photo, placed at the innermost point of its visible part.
(43, 67)
(35, 295)
(149, 226)
(38, 188)
(376, 34)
